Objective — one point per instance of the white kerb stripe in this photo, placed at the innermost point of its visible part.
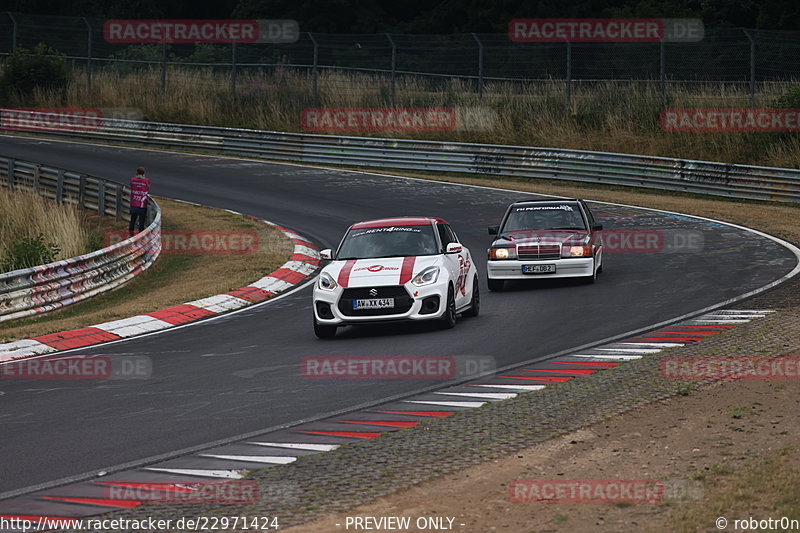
(657, 344)
(26, 347)
(305, 250)
(482, 395)
(609, 357)
(226, 474)
(135, 325)
(272, 459)
(448, 404)
(513, 387)
(630, 350)
(220, 303)
(298, 446)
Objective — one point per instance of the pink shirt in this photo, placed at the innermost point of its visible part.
(139, 189)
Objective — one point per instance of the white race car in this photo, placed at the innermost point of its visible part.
(408, 268)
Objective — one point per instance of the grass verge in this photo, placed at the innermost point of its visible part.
(175, 278)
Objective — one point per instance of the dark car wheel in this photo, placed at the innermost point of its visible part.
(323, 331)
(449, 317)
(475, 303)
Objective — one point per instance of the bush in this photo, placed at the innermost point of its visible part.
(25, 70)
(29, 252)
(790, 100)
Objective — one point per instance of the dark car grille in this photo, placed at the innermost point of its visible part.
(402, 300)
(539, 252)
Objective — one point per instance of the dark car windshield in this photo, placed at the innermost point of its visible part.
(544, 217)
(388, 241)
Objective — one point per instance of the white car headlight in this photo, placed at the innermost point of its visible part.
(426, 277)
(326, 282)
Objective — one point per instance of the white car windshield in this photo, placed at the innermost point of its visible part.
(543, 217)
(388, 241)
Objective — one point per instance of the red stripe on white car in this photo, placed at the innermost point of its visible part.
(344, 273)
(407, 270)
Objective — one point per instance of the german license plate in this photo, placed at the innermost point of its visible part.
(374, 303)
(538, 269)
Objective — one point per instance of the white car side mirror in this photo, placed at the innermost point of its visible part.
(326, 253)
(454, 248)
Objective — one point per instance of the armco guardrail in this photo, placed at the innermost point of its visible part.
(722, 179)
(43, 288)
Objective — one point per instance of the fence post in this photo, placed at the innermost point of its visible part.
(82, 192)
(13, 31)
(164, 67)
(663, 73)
(101, 198)
(394, 65)
(233, 71)
(480, 66)
(37, 171)
(752, 67)
(569, 78)
(60, 187)
(88, 54)
(10, 176)
(118, 201)
(314, 72)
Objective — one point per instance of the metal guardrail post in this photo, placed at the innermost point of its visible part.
(101, 198)
(10, 176)
(82, 192)
(394, 67)
(314, 72)
(480, 66)
(37, 171)
(118, 202)
(60, 187)
(752, 68)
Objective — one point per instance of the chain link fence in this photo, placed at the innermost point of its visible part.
(737, 60)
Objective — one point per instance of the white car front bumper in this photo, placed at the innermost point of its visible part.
(428, 302)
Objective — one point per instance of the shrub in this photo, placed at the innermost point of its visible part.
(29, 252)
(790, 99)
(25, 70)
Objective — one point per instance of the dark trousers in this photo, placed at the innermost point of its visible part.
(137, 213)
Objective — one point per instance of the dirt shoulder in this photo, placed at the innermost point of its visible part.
(726, 450)
(182, 273)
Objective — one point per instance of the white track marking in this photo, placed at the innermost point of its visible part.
(298, 446)
(271, 459)
(609, 357)
(481, 395)
(135, 325)
(448, 404)
(631, 350)
(226, 474)
(657, 344)
(523, 388)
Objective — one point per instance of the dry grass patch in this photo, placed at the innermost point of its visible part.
(174, 278)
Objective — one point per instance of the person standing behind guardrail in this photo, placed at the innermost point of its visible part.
(140, 187)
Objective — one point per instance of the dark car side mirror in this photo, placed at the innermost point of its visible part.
(494, 230)
(597, 227)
